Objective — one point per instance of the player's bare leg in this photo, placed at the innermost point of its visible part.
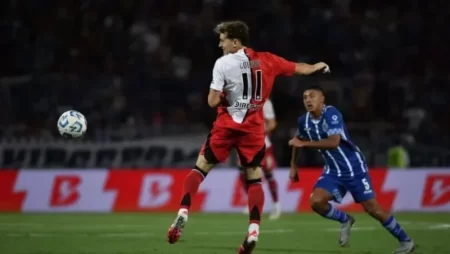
(255, 205)
(273, 188)
(388, 221)
(319, 202)
(191, 184)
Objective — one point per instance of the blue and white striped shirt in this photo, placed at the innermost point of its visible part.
(346, 160)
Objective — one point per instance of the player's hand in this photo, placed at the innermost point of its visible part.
(297, 142)
(223, 100)
(293, 173)
(321, 68)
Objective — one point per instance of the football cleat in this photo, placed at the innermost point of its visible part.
(249, 243)
(175, 230)
(345, 231)
(405, 247)
(276, 212)
(246, 211)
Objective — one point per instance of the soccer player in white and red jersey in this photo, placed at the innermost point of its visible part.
(269, 163)
(242, 81)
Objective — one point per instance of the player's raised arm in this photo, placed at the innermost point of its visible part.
(308, 69)
(216, 88)
(288, 68)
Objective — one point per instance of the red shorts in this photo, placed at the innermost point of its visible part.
(269, 162)
(249, 146)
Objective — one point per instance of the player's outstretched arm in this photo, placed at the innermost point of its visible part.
(331, 142)
(287, 68)
(308, 69)
(333, 118)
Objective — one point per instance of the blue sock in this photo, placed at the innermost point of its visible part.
(335, 214)
(396, 230)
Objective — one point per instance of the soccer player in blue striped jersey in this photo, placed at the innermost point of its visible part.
(323, 128)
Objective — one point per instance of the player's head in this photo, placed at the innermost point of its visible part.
(233, 36)
(313, 98)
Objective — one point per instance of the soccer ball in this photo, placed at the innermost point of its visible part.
(72, 124)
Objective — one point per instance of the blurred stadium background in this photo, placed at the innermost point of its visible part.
(139, 70)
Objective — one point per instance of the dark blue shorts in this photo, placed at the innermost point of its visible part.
(359, 186)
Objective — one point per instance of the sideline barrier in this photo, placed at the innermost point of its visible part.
(159, 190)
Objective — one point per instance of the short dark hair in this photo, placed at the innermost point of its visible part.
(315, 87)
(234, 30)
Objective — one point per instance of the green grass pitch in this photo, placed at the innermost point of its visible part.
(210, 233)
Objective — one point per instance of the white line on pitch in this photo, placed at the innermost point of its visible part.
(139, 235)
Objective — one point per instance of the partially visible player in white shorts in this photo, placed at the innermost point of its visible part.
(269, 163)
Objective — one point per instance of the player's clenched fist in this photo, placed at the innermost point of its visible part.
(322, 68)
(223, 100)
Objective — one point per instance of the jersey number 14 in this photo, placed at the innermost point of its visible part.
(258, 86)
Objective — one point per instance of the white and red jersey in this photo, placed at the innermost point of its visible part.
(269, 114)
(246, 79)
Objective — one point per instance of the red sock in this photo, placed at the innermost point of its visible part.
(243, 179)
(273, 187)
(191, 184)
(255, 200)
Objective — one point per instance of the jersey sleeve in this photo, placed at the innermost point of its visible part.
(334, 121)
(218, 80)
(281, 66)
(268, 111)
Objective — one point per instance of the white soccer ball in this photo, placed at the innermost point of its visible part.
(72, 124)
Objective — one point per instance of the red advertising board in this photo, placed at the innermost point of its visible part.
(119, 190)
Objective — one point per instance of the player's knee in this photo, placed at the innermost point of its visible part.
(203, 164)
(251, 182)
(317, 202)
(371, 207)
(253, 172)
(268, 175)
